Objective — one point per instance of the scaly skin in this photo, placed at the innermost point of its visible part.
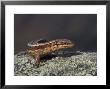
(39, 49)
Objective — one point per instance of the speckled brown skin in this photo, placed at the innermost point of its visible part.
(39, 49)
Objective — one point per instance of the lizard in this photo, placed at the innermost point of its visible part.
(42, 47)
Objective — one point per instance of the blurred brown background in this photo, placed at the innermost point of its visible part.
(80, 28)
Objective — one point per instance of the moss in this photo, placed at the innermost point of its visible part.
(81, 64)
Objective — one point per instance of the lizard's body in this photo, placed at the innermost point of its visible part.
(38, 49)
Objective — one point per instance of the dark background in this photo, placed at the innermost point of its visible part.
(79, 28)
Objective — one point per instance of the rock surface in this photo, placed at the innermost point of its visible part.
(64, 64)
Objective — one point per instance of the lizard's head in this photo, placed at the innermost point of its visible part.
(64, 43)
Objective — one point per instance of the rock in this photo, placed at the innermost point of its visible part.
(73, 64)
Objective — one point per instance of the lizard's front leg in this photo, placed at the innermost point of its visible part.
(35, 55)
(37, 59)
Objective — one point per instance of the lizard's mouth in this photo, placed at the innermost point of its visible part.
(64, 43)
(68, 45)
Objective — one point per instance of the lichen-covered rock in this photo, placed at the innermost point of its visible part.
(64, 64)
